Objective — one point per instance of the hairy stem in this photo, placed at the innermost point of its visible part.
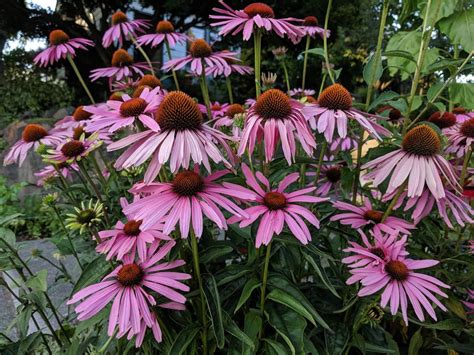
(175, 77)
(325, 42)
(305, 61)
(79, 76)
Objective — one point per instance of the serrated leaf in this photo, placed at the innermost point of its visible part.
(459, 27)
(462, 94)
(249, 287)
(438, 9)
(433, 90)
(383, 98)
(213, 302)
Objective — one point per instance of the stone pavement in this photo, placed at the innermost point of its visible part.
(58, 291)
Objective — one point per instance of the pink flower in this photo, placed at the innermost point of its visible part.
(256, 15)
(418, 161)
(310, 27)
(343, 144)
(357, 217)
(202, 58)
(187, 199)
(217, 109)
(126, 111)
(278, 119)
(329, 178)
(130, 238)
(333, 110)
(32, 137)
(183, 137)
(233, 65)
(122, 28)
(462, 114)
(460, 138)
(60, 47)
(164, 32)
(122, 67)
(401, 284)
(376, 252)
(129, 286)
(299, 92)
(73, 149)
(51, 171)
(469, 305)
(423, 205)
(276, 208)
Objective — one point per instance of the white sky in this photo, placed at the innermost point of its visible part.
(32, 44)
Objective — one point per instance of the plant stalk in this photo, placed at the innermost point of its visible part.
(305, 61)
(79, 76)
(325, 42)
(229, 89)
(257, 44)
(175, 77)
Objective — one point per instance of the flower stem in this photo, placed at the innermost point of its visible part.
(320, 161)
(377, 54)
(325, 41)
(257, 45)
(205, 91)
(197, 273)
(305, 61)
(175, 77)
(355, 185)
(323, 81)
(287, 80)
(143, 53)
(264, 280)
(229, 89)
(394, 201)
(425, 40)
(467, 159)
(79, 76)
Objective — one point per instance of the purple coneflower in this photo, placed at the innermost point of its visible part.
(201, 58)
(122, 67)
(460, 138)
(443, 119)
(310, 27)
(127, 111)
(234, 67)
(462, 114)
(129, 286)
(32, 137)
(60, 46)
(278, 119)
(401, 284)
(276, 207)
(217, 109)
(52, 171)
(333, 111)
(164, 32)
(255, 15)
(183, 137)
(393, 114)
(329, 178)
(73, 150)
(357, 217)
(186, 200)
(343, 144)
(122, 28)
(299, 92)
(418, 161)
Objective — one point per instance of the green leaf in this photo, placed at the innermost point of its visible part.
(232, 328)
(215, 252)
(23, 320)
(462, 94)
(438, 9)
(275, 347)
(416, 342)
(445, 63)
(92, 272)
(447, 324)
(373, 70)
(213, 301)
(8, 236)
(250, 285)
(400, 54)
(433, 90)
(39, 282)
(287, 300)
(316, 51)
(383, 98)
(290, 326)
(321, 275)
(459, 27)
(182, 341)
(7, 219)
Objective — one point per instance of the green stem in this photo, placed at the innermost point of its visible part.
(103, 349)
(98, 171)
(229, 89)
(425, 40)
(175, 77)
(205, 91)
(287, 80)
(467, 159)
(394, 201)
(140, 49)
(455, 56)
(197, 273)
(257, 48)
(79, 76)
(320, 161)
(355, 185)
(64, 185)
(325, 42)
(305, 61)
(55, 209)
(377, 54)
(264, 280)
(323, 81)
